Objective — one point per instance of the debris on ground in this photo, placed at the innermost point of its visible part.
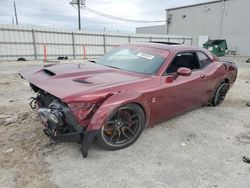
(4, 83)
(62, 58)
(10, 150)
(4, 116)
(183, 144)
(23, 115)
(248, 104)
(21, 59)
(10, 120)
(191, 136)
(246, 159)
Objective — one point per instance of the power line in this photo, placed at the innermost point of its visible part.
(121, 19)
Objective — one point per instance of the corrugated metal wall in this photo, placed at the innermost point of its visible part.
(35, 42)
(207, 19)
(157, 29)
(195, 21)
(236, 25)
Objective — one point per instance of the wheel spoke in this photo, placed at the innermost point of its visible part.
(133, 116)
(135, 121)
(127, 128)
(111, 122)
(222, 93)
(112, 137)
(125, 135)
(220, 97)
(131, 123)
(218, 100)
(118, 137)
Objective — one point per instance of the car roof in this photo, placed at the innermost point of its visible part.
(169, 47)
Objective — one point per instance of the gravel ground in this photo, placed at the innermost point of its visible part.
(203, 148)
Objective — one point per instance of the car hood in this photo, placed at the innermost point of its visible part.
(71, 81)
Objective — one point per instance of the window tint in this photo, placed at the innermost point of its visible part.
(186, 59)
(203, 59)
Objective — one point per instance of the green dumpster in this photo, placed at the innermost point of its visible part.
(218, 47)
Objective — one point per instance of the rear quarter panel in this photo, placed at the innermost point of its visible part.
(219, 72)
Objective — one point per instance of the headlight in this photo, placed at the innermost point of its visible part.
(52, 115)
(81, 110)
(43, 114)
(53, 118)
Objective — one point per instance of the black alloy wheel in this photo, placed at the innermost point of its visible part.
(122, 128)
(220, 94)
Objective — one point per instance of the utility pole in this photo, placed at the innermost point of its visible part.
(79, 3)
(79, 14)
(15, 13)
(13, 22)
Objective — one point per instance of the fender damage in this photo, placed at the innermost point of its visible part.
(62, 95)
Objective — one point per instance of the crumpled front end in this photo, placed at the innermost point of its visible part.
(60, 123)
(69, 96)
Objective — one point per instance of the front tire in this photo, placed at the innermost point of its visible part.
(122, 128)
(220, 94)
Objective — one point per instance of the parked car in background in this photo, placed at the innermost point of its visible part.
(132, 87)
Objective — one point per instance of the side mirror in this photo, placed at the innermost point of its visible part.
(183, 71)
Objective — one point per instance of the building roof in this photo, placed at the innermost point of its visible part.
(197, 4)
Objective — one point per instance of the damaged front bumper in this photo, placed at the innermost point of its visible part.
(60, 124)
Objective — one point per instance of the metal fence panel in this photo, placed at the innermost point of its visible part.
(40, 43)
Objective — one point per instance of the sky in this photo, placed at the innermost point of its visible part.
(59, 13)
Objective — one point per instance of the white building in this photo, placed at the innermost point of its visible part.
(220, 19)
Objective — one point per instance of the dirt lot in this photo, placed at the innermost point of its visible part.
(203, 148)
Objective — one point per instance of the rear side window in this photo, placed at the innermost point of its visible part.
(203, 59)
(184, 59)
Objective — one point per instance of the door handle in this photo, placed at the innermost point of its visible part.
(202, 75)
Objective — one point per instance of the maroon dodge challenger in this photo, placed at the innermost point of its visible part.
(132, 87)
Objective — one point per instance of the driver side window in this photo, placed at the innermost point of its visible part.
(184, 59)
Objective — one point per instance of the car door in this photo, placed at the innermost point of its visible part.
(183, 93)
(213, 72)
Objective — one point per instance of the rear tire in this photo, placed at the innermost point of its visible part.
(220, 94)
(122, 128)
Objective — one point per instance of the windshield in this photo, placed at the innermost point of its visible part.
(131, 59)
